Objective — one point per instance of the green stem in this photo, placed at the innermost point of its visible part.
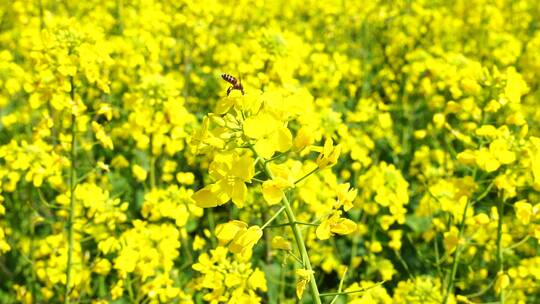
(282, 281)
(458, 248)
(331, 294)
(299, 241)
(481, 292)
(500, 257)
(119, 16)
(129, 288)
(435, 240)
(288, 224)
(403, 263)
(33, 286)
(307, 175)
(212, 226)
(152, 161)
(296, 258)
(455, 263)
(267, 236)
(340, 288)
(523, 241)
(72, 185)
(272, 218)
(185, 244)
(355, 239)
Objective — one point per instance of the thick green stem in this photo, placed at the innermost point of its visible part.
(299, 242)
(72, 185)
(129, 288)
(500, 258)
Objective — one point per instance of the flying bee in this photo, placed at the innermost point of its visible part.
(235, 83)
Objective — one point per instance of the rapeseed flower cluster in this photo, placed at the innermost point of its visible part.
(381, 152)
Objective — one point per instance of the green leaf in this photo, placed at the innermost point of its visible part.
(418, 224)
(191, 225)
(272, 273)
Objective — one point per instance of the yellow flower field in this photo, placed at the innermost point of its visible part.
(270, 151)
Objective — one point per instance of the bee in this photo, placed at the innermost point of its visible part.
(235, 83)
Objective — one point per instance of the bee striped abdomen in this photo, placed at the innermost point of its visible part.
(228, 78)
(235, 83)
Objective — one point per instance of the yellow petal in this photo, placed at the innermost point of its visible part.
(232, 279)
(279, 242)
(506, 157)
(273, 190)
(523, 211)
(343, 226)
(329, 155)
(300, 286)
(246, 240)
(451, 239)
(265, 147)
(224, 104)
(515, 86)
(284, 139)
(499, 149)
(257, 280)
(335, 155)
(323, 231)
(502, 282)
(243, 168)
(139, 173)
(492, 164)
(346, 195)
(220, 167)
(481, 218)
(226, 232)
(304, 138)
(259, 126)
(304, 276)
(207, 197)
(328, 146)
(238, 193)
(486, 130)
(487, 161)
(467, 157)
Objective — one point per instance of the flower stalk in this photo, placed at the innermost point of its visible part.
(299, 241)
(450, 285)
(72, 185)
(457, 256)
(500, 257)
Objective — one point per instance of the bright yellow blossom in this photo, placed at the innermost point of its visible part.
(329, 154)
(304, 276)
(335, 224)
(271, 135)
(231, 172)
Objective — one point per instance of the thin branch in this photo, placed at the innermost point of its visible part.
(307, 175)
(331, 294)
(340, 288)
(273, 218)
